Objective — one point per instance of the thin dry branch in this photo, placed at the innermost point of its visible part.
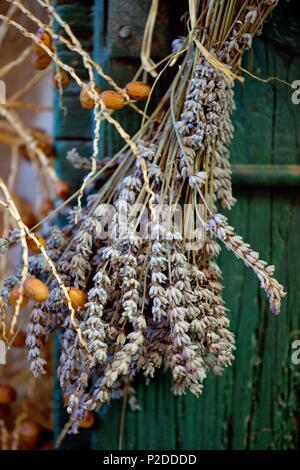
(14, 63)
(31, 143)
(10, 186)
(37, 108)
(72, 72)
(12, 208)
(29, 85)
(75, 46)
(25, 232)
(3, 28)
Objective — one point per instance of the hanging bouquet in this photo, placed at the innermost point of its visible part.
(132, 281)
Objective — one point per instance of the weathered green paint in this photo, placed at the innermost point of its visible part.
(132, 15)
(255, 404)
(266, 175)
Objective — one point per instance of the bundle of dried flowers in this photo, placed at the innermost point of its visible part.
(148, 291)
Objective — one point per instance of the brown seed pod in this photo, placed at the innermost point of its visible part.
(32, 245)
(77, 296)
(61, 77)
(44, 142)
(36, 290)
(14, 295)
(62, 189)
(19, 340)
(88, 421)
(112, 99)
(46, 206)
(46, 39)
(29, 433)
(86, 100)
(138, 90)
(29, 219)
(40, 58)
(47, 147)
(25, 210)
(65, 399)
(22, 205)
(5, 414)
(41, 62)
(7, 394)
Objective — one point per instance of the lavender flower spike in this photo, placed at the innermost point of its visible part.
(275, 291)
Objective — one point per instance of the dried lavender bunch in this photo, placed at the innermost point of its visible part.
(186, 359)
(206, 128)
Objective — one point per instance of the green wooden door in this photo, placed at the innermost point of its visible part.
(255, 404)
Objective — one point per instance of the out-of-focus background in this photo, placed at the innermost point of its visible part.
(32, 410)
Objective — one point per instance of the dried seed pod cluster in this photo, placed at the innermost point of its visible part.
(112, 99)
(7, 394)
